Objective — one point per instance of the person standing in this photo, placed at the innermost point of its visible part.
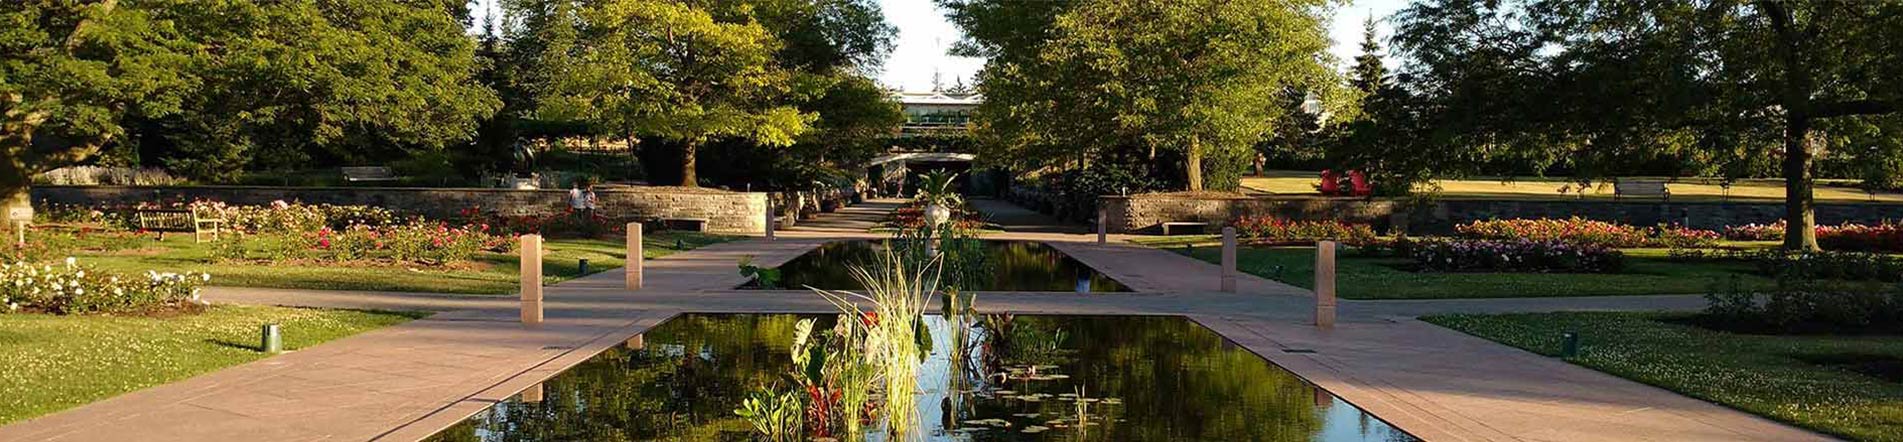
(589, 201)
(577, 203)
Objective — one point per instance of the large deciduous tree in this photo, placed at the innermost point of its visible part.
(69, 72)
(1600, 82)
(683, 71)
(1201, 77)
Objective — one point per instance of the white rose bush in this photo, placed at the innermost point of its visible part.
(71, 288)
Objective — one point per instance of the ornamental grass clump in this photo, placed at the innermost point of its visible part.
(1525, 255)
(893, 332)
(71, 288)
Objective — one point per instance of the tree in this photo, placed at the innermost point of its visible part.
(1604, 82)
(670, 69)
(69, 71)
(1200, 77)
(347, 81)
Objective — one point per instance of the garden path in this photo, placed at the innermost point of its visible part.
(408, 381)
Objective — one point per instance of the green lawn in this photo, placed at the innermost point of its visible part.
(1647, 273)
(51, 363)
(491, 273)
(1846, 386)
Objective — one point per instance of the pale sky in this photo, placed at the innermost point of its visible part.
(925, 36)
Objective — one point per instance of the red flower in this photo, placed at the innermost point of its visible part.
(870, 318)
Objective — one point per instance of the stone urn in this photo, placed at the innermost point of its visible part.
(936, 215)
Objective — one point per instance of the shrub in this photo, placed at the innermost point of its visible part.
(45, 244)
(416, 242)
(1885, 237)
(1463, 255)
(1756, 232)
(71, 288)
(1849, 266)
(1272, 229)
(1808, 306)
(1583, 231)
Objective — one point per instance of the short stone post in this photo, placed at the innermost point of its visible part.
(1325, 284)
(635, 260)
(531, 263)
(637, 342)
(771, 218)
(1103, 225)
(1229, 259)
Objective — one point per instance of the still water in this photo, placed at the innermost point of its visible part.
(971, 265)
(1012, 378)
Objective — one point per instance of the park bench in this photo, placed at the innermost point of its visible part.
(1200, 227)
(1641, 188)
(367, 174)
(196, 221)
(687, 224)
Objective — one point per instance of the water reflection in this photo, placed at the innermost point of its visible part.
(1022, 378)
(970, 265)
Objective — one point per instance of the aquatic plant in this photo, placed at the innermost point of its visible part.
(775, 416)
(898, 289)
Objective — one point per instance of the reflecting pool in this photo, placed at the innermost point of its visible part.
(970, 265)
(1009, 378)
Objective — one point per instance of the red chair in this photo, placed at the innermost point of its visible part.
(1331, 183)
(1360, 182)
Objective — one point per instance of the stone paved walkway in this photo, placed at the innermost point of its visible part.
(406, 382)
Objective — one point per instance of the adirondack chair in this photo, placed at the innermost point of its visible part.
(1360, 182)
(1331, 183)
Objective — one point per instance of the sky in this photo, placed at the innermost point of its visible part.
(925, 36)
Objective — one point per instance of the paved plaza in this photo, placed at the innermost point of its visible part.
(406, 382)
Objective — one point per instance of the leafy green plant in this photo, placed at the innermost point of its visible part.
(898, 289)
(766, 278)
(775, 416)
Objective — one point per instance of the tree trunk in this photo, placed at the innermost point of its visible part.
(15, 192)
(1193, 165)
(1800, 218)
(688, 151)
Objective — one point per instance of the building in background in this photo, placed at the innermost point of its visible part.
(936, 112)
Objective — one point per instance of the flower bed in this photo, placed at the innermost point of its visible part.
(1886, 237)
(1756, 232)
(279, 216)
(44, 244)
(1274, 229)
(1588, 232)
(415, 242)
(70, 288)
(1525, 255)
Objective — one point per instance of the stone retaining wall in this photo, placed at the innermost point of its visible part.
(726, 212)
(1146, 213)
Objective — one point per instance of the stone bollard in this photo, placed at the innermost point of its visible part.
(635, 260)
(1325, 284)
(637, 342)
(771, 220)
(1229, 259)
(531, 262)
(1103, 226)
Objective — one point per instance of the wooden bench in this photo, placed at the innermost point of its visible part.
(367, 174)
(687, 224)
(1174, 225)
(197, 222)
(1641, 188)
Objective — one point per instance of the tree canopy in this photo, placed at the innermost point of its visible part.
(1074, 79)
(1716, 85)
